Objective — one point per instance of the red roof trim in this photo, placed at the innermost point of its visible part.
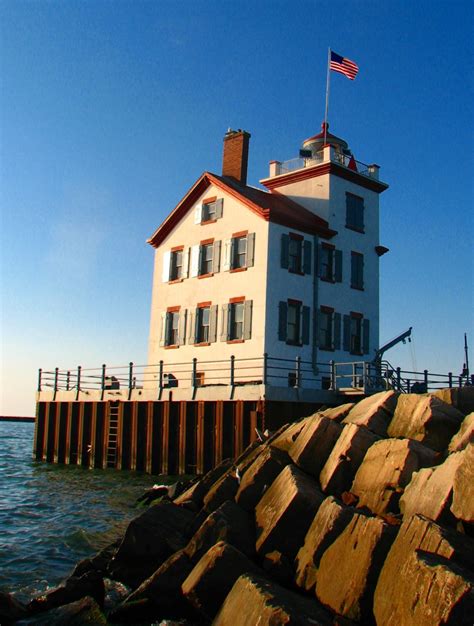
(320, 170)
(273, 207)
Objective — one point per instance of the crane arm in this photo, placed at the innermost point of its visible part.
(403, 337)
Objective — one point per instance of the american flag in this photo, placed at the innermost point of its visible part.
(343, 66)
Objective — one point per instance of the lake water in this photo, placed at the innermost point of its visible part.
(52, 516)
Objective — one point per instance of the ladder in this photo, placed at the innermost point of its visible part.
(112, 435)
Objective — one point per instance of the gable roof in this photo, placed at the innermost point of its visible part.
(270, 206)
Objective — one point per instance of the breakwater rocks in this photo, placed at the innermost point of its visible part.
(361, 514)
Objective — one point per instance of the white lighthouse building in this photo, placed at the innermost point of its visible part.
(265, 288)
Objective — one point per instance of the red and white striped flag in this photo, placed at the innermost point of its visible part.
(343, 66)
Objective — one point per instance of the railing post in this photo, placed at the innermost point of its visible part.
(160, 379)
(425, 374)
(130, 379)
(56, 374)
(265, 367)
(102, 382)
(79, 368)
(450, 379)
(399, 379)
(193, 375)
(408, 385)
(332, 365)
(460, 381)
(232, 370)
(298, 371)
(366, 369)
(40, 373)
(68, 379)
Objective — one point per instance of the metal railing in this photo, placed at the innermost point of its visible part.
(353, 376)
(291, 165)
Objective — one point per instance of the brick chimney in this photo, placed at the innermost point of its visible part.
(236, 155)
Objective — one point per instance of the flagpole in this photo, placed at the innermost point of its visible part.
(327, 98)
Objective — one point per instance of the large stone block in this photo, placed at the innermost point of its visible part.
(212, 578)
(196, 492)
(223, 489)
(149, 540)
(464, 435)
(374, 412)
(314, 444)
(285, 512)
(348, 569)
(255, 600)
(430, 490)
(425, 418)
(463, 487)
(229, 523)
(259, 476)
(339, 470)
(417, 534)
(337, 413)
(285, 437)
(460, 397)
(328, 523)
(78, 613)
(385, 471)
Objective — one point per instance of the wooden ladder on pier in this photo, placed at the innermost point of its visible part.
(112, 435)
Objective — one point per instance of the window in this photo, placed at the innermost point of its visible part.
(329, 329)
(176, 264)
(356, 333)
(330, 263)
(173, 327)
(237, 320)
(206, 259)
(209, 210)
(357, 270)
(354, 212)
(203, 319)
(293, 322)
(239, 251)
(295, 253)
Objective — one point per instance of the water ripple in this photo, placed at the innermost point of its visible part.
(52, 516)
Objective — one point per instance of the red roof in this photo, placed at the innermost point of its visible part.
(271, 206)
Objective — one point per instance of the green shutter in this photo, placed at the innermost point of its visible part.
(365, 336)
(307, 257)
(337, 331)
(285, 251)
(248, 319)
(219, 207)
(282, 320)
(338, 266)
(213, 324)
(225, 322)
(305, 325)
(347, 333)
(250, 249)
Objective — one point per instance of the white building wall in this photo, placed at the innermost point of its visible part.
(217, 289)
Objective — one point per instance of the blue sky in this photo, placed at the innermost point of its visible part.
(111, 110)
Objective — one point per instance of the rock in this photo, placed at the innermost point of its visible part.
(223, 489)
(198, 490)
(212, 578)
(464, 435)
(339, 470)
(430, 591)
(133, 612)
(279, 568)
(259, 476)
(99, 562)
(425, 418)
(228, 523)
(292, 496)
(285, 437)
(385, 471)
(374, 412)
(255, 600)
(329, 522)
(74, 588)
(354, 560)
(163, 588)
(248, 455)
(417, 534)
(84, 611)
(337, 413)
(314, 444)
(11, 609)
(461, 398)
(463, 500)
(430, 490)
(149, 540)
